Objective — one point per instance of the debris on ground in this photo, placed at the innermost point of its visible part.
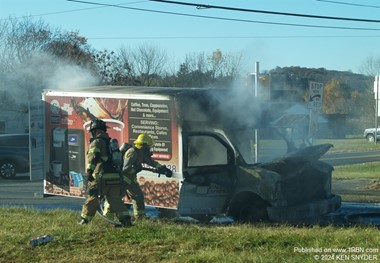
(373, 185)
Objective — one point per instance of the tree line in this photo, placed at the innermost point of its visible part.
(34, 56)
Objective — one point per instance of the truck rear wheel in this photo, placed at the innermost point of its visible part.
(167, 213)
(248, 208)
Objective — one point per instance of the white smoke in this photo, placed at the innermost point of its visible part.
(70, 76)
(42, 71)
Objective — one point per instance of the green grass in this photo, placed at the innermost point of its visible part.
(348, 175)
(268, 148)
(357, 171)
(347, 145)
(168, 241)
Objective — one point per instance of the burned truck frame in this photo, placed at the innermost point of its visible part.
(206, 137)
(290, 187)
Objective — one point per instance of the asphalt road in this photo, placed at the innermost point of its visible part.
(25, 193)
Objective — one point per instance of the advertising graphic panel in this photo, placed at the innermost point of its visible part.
(67, 120)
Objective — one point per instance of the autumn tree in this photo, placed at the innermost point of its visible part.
(113, 70)
(336, 98)
(72, 48)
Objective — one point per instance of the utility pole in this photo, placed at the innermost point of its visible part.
(257, 72)
(255, 144)
(376, 89)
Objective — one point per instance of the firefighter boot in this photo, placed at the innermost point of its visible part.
(83, 221)
(126, 222)
(138, 215)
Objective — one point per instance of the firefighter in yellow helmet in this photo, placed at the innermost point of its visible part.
(132, 164)
(133, 158)
(103, 178)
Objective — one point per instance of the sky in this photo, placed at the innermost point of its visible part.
(280, 38)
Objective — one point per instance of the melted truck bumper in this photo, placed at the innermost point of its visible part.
(304, 211)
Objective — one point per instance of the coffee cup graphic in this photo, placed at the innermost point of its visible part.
(56, 168)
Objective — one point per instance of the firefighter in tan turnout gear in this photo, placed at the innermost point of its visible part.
(103, 178)
(133, 158)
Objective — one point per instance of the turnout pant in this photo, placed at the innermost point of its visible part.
(111, 189)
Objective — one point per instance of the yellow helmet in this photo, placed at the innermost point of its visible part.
(143, 138)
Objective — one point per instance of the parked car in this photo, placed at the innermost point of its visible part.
(370, 134)
(14, 154)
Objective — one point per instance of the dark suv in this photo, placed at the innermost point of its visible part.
(14, 154)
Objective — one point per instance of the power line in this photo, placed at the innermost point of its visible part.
(352, 4)
(226, 19)
(55, 13)
(71, 11)
(227, 37)
(266, 12)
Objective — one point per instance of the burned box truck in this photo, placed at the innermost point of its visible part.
(205, 136)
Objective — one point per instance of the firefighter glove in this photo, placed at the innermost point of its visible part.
(168, 173)
(162, 169)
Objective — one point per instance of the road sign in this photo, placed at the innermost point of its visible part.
(376, 87)
(315, 95)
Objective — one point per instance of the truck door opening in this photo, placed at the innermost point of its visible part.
(208, 159)
(208, 170)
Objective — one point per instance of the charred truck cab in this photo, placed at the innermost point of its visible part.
(205, 136)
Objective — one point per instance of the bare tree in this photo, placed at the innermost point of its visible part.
(194, 71)
(148, 62)
(201, 70)
(197, 62)
(224, 67)
(33, 57)
(371, 66)
(20, 40)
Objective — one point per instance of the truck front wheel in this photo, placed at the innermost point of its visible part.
(248, 208)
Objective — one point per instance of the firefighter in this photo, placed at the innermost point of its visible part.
(102, 177)
(133, 158)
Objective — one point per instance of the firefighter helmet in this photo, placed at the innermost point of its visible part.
(142, 139)
(97, 124)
